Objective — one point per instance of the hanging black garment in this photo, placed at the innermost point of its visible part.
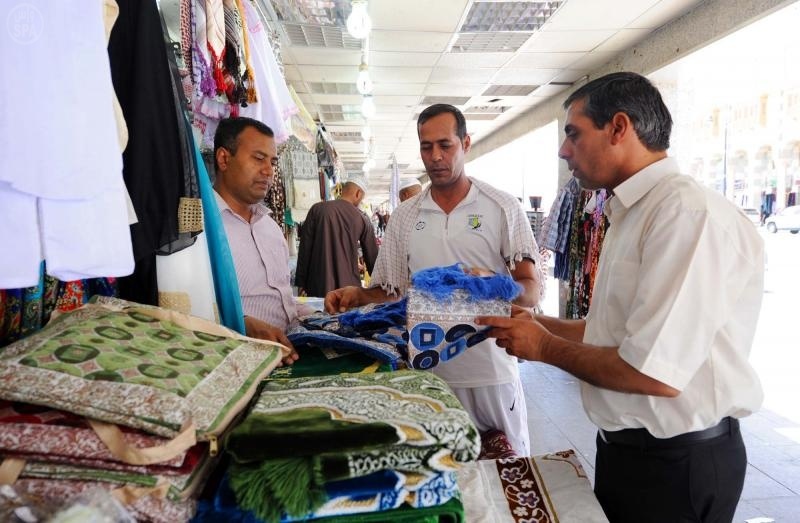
(153, 166)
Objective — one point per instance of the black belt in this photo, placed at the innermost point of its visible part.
(642, 438)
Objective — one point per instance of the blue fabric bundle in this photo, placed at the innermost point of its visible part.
(441, 282)
(391, 314)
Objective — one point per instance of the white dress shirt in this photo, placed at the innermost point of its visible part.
(678, 290)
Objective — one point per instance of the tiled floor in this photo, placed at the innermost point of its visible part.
(557, 421)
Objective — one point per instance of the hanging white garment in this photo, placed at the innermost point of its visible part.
(185, 281)
(56, 100)
(87, 238)
(64, 199)
(275, 105)
(19, 223)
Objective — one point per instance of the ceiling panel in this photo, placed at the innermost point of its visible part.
(417, 15)
(544, 60)
(550, 40)
(593, 60)
(388, 89)
(584, 15)
(654, 17)
(399, 75)
(470, 76)
(448, 88)
(394, 58)
(325, 73)
(409, 41)
(623, 40)
(312, 56)
(464, 60)
(512, 75)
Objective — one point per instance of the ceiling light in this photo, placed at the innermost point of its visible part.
(363, 82)
(358, 23)
(368, 109)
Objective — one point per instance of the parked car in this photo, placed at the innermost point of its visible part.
(753, 215)
(787, 219)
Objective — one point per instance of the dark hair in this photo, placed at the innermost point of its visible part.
(436, 110)
(228, 132)
(632, 94)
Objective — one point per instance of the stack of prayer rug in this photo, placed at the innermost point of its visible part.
(125, 397)
(365, 447)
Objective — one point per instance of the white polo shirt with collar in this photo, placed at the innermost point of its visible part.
(678, 290)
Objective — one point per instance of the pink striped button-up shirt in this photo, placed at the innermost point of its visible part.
(261, 258)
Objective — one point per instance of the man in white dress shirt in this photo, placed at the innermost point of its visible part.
(663, 352)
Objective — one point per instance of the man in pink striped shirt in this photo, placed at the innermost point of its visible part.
(245, 157)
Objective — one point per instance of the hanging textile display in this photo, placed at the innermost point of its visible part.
(154, 161)
(275, 200)
(302, 124)
(300, 173)
(574, 230)
(67, 206)
(234, 69)
(26, 310)
(275, 105)
(589, 226)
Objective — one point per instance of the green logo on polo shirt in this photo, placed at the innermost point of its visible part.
(474, 221)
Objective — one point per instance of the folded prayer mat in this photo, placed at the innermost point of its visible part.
(450, 512)
(547, 489)
(305, 432)
(146, 508)
(316, 361)
(383, 347)
(376, 330)
(140, 366)
(442, 305)
(31, 430)
(354, 412)
(224, 509)
(190, 461)
(180, 486)
(381, 491)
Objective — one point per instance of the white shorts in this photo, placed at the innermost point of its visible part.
(500, 407)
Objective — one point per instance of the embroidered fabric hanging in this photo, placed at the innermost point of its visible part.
(588, 229)
(26, 310)
(299, 167)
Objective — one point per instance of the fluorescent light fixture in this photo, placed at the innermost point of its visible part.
(358, 23)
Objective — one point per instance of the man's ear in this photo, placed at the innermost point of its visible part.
(222, 155)
(467, 143)
(619, 127)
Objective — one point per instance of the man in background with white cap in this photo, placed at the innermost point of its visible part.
(329, 241)
(409, 187)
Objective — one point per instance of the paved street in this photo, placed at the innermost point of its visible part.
(776, 352)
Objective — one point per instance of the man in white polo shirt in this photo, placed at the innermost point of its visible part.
(459, 219)
(663, 352)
